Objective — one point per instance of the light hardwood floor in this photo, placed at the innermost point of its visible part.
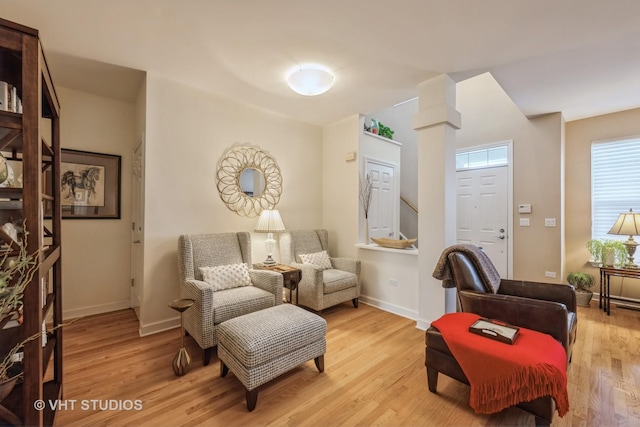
(374, 375)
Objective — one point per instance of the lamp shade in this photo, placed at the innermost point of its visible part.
(269, 222)
(310, 80)
(628, 224)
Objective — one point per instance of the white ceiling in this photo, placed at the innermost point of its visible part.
(580, 57)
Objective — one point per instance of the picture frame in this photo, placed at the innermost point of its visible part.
(90, 185)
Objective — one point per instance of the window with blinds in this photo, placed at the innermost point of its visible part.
(615, 183)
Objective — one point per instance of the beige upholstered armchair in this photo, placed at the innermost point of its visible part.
(215, 271)
(324, 283)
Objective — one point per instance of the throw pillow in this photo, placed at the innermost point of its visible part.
(226, 276)
(320, 259)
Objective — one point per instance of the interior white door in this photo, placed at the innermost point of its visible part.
(382, 212)
(137, 227)
(483, 212)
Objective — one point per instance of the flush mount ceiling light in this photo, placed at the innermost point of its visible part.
(310, 80)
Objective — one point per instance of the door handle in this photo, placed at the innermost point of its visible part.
(501, 237)
(136, 241)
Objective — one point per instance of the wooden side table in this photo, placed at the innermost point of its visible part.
(605, 286)
(291, 276)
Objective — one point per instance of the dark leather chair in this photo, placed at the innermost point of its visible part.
(543, 307)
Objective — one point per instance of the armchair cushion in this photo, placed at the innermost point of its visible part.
(321, 259)
(226, 276)
(337, 280)
(240, 301)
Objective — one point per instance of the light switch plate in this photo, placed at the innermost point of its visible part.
(524, 208)
(524, 222)
(549, 222)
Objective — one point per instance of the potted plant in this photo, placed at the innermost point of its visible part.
(607, 252)
(594, 246)
(583, 282)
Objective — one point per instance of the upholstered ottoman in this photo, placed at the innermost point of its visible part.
(262, 345)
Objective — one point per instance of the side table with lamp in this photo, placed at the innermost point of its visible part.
(270, 222)
(627, 224)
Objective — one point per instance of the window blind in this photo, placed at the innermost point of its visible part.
(615, 184)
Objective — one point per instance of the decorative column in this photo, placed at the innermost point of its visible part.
(435, 122)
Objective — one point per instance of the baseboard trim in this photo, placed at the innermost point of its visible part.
(95, 309)
(391, 308)
(160, 326)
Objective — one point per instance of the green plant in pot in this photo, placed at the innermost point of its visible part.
(608, 252)
(583, 282)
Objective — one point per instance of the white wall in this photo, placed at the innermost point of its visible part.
(187, 131)
(389, 280)
(400, 119)
(376, 148)
(488, 116)
(95, 253)
(340, 185)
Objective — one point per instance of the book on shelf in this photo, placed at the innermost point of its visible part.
(9, 99)
(5, 95)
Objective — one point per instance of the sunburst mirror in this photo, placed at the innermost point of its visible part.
(249, 180)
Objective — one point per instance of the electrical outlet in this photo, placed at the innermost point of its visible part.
(393, 282)
(551, 274)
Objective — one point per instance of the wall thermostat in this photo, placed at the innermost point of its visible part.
(525, 208)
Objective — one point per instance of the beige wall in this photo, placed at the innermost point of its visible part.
(187, 131)
(340, 185)
(95, 253)
(580, 135)
(489, 116)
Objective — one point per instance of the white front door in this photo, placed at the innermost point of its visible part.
(382, 212)
(137, 227)
(483, 211)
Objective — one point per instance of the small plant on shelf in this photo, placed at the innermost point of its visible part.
(607, 252)
(385, 131)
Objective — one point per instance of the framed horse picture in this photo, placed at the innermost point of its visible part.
(90, 185)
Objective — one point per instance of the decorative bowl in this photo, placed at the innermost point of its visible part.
(394, 243)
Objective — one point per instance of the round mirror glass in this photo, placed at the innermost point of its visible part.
(252, 182)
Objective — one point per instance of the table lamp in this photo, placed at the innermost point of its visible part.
(269, 222)
(628, 224)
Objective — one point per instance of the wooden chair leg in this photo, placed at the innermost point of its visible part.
(432, 379)
(224, 369)
(319, 363)
(206, 357)
(355, 302)
(252, 399)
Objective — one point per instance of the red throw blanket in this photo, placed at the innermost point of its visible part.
(503, 375)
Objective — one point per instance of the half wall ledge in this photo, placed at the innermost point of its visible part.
(374, 247)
